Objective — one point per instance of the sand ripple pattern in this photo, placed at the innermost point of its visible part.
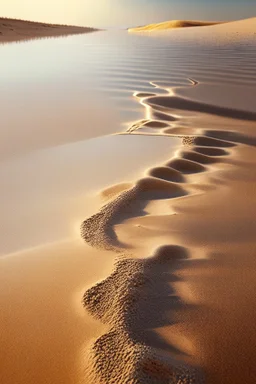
(138, 297)
(175, 60)
(166, 181)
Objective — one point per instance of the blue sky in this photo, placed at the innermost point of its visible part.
(126, 12)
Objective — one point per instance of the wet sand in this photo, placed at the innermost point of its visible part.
(182, 232)
(187, 222)
(162, 288)
(18, 30)
(43, 327)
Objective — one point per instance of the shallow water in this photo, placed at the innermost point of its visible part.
(59, 93)
(62, 102)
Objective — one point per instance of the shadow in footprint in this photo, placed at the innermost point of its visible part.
(211, 142)
(156, 124)
(167, 173)
(98, 230)
(162, 116)
(151, 188)
(142, 95)
(211, 151)
(186, 166)
(198, 157)
(235, 137)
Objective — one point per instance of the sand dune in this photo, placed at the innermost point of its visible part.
(15, 30)
(241, 27)
(173, 24)
(236, 29)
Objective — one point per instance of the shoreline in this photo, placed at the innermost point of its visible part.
(163, 288)
(13, 30)
(191, 174)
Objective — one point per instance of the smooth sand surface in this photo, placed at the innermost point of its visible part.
(162, 288)
(173, 24)
(218, 33)
(231, 32)
(16, 30)
(43, 327)
(56, 188)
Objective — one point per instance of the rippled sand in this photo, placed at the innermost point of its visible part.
(195, 205)
(161, 289)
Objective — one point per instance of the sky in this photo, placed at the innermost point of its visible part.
(126, 13)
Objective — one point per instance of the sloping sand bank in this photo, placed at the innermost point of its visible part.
(173, 24)
(15, 30)
(244, 28)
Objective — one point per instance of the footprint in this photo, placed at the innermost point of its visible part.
(136, 298)
(198, 157)
(211, 151)
(155, 124)
(167, 173)
(142, 95)
(151, 188)
(211, 142)
(235, 137)
(186, 166)
(163, 116)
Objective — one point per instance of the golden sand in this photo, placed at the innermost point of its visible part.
(199, 206)
(165, 292)
(173, 24)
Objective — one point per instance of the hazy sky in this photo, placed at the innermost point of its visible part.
(125, 12)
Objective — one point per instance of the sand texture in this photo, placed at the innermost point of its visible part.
(194, 205)
(125, 353)
(173, 24)
(240, 27)
(16, 30)
(155, 282)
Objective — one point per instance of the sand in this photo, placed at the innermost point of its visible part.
(43, 334)
(196, 212)
(172, 25)
(162, 289)
(241, 28)
(17, 30)
(179, 300)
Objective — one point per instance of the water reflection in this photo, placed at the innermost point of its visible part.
(56, 94)
(47, 194)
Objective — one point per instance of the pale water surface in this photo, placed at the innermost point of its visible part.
(62, 103)
(60, 96)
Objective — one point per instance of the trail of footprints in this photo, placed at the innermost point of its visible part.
(137, 297)
(163, 182)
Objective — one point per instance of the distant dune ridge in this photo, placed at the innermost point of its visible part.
(174, 24)
(15, 30)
